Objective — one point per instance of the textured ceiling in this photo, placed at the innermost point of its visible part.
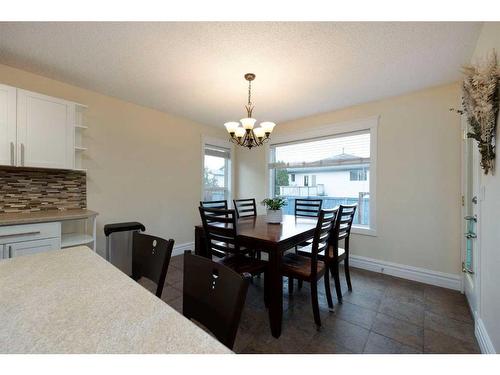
(195, 70)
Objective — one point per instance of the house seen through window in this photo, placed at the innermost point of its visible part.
(335, 169)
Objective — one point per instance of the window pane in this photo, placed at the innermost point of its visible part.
(215, 174)
(335, 170)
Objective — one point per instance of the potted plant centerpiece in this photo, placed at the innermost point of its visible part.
(274, 209)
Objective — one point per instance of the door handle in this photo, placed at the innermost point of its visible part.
(471, 218)
(466, 270)
(22, 154)
(470, 235)
(474, 199)
(11, 153)
(10, 251)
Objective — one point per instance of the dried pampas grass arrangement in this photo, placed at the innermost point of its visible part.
(480, 105)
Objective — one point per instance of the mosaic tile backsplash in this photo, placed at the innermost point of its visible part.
(31, 190)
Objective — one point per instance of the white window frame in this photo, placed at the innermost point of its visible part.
(370, 124)
(223, 143)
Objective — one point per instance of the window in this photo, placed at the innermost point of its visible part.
(358, 175)
(216, 173)
(340, 166)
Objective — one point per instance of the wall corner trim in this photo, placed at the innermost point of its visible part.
(422, 275)
(482, 337)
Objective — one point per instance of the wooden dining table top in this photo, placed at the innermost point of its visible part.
(257, 228)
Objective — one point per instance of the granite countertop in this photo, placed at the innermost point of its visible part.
(14, 218)
(73, 301)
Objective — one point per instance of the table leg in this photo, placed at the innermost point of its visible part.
(275, 292)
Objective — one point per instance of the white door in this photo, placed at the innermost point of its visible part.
(32, 247)
(471, 220)
(7, 125)
(45, 131)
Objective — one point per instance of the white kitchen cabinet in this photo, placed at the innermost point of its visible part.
(45, 131)
(32, 247)
(7, 125)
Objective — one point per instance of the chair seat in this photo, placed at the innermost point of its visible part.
(299, 267)
(306, 251)
(243, 264)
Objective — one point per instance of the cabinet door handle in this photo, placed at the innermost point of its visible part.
(11, 153)
(20, 234)
(22, 154)
(10, 251)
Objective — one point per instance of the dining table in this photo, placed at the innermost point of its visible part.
(274, 240)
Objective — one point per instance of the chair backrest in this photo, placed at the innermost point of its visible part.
(220, 231)
(308, 207)
(214, 295)
(150, 258)
(326, 221)
(343, 225)
(245, 207)
(220, 205)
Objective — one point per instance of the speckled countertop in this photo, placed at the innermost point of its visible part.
(15, 218)
(73, 301)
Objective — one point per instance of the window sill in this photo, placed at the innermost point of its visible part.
(364, 231)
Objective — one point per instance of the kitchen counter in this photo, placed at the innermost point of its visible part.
(16, 218)
(73, 301)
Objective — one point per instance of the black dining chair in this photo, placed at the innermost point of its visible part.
(310, 268)
(341, 232)
(150, 258)
(308, 207)
(214, 296)
(245, 207)
(221, 240)
(220, 205)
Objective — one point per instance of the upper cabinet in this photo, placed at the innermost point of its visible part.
(36, 130)
(7, 125)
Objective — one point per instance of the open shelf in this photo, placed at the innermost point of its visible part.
(75, 239)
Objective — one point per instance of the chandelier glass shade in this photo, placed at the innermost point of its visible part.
(244, 133)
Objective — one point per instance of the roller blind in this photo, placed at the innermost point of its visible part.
(339, 150)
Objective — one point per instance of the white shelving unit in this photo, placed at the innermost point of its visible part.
(80, 127)
(79, 232)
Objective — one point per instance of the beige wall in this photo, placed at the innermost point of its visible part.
(418, 177)
(142, 164)
(489, 309)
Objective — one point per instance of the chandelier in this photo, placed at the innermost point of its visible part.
(245, 134)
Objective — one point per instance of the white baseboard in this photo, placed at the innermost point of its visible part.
(422, 275)
(483, 339)
(179, 249)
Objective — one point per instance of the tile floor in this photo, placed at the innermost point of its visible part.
(383, 314)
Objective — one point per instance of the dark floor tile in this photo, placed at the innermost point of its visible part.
(343, 333)
(174, 275)
(442, 295)
(399, 330)
(177, 262)
(400, 288)
(364, 299)
(451, 327)
(355, 314)
(176, 303)
(170, 293)
(378, 344)
(439, 343)
(403, 307)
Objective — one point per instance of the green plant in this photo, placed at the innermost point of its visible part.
(274, 203)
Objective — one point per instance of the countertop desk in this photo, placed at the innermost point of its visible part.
(73, 301)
